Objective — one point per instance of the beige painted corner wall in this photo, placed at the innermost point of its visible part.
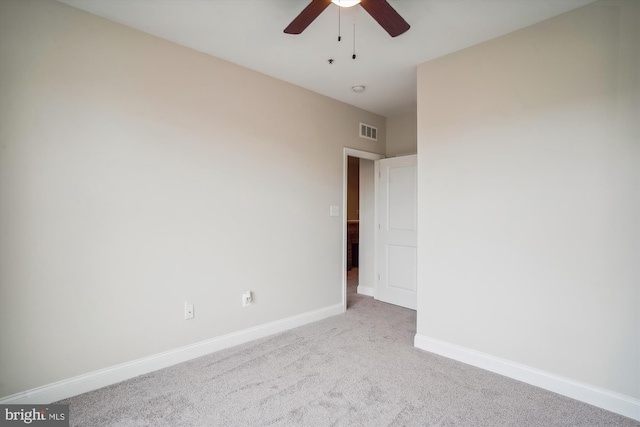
(136, 174)
(529, 197)
(367, 227)
(402, 134)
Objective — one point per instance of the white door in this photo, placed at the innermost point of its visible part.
(397, 234)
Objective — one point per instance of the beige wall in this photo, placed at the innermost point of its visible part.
(136, 174)
(402, 134)
(529, 197)
(367, 227)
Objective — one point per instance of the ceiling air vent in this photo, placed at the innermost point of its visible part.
(368, 132)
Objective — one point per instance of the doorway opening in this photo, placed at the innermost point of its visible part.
(353, 225)
(359, 237)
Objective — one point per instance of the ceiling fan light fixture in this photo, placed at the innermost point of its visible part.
(345, 3)
(380, 11)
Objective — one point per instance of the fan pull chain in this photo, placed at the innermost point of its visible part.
(354, 34)
(339, 14)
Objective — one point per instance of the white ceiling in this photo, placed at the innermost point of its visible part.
(250, 33)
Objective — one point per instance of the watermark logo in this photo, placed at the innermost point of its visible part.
(34, 415)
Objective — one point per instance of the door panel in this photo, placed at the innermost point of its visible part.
(402, 190)
(397, 234)
(401, 261)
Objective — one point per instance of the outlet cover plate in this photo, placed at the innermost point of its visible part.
(246, 299)
(188, 311)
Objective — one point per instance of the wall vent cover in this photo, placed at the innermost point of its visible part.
(368, 132)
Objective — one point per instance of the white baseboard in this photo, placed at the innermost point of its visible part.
(602, 398)
(366, 290)
(104, 377)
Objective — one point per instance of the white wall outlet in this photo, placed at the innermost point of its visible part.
(247, 298)
(334, 210)
(188, 311)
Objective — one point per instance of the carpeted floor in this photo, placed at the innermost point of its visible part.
(356, 369)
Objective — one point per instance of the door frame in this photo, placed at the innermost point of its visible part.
(352, 152)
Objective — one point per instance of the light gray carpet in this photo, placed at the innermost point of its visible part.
(356, 369)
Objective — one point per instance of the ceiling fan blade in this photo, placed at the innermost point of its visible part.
(386, 16)
(306, 17)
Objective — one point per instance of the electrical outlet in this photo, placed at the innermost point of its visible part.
(188, 311)
(247, 298)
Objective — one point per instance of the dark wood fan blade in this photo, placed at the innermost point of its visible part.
(306, 17)
(386, 16)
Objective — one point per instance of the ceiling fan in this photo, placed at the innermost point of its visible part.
(379, 10)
